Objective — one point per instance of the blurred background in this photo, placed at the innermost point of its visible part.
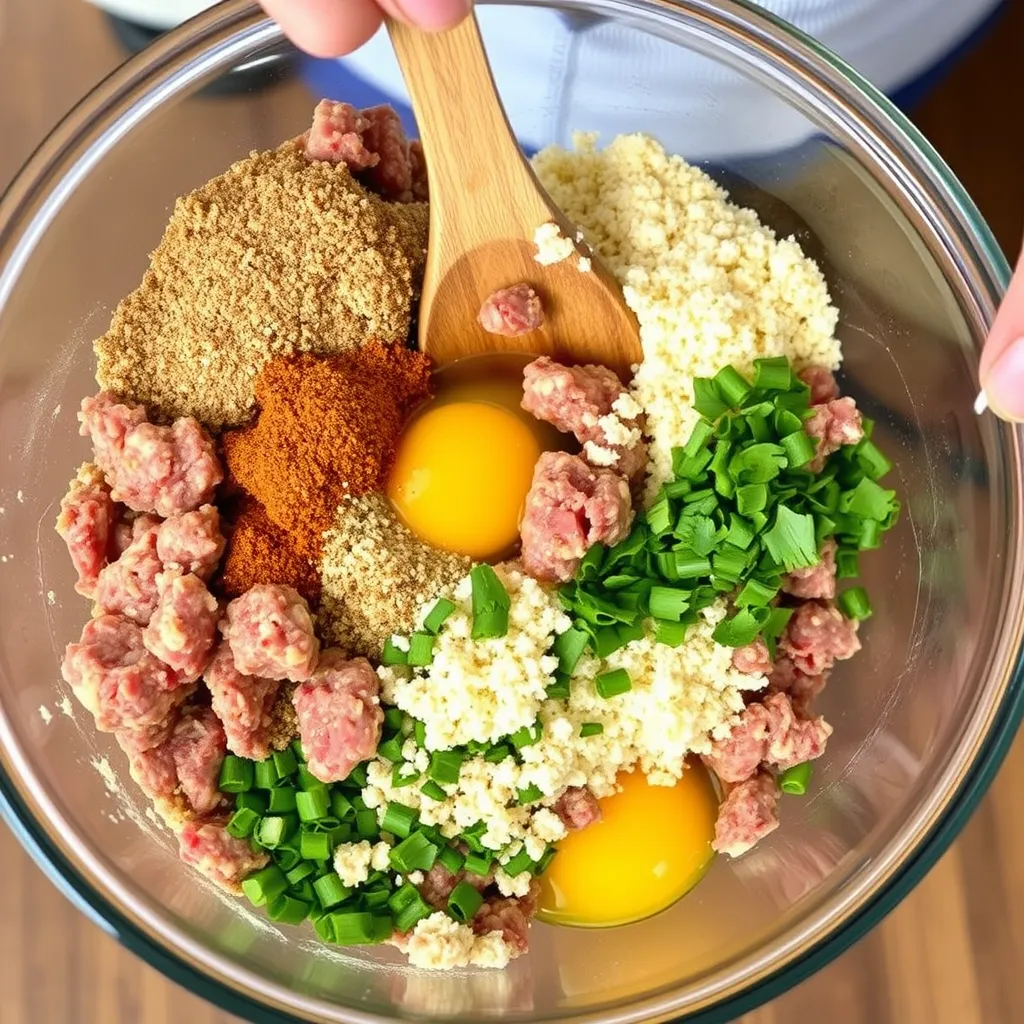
(950, 954)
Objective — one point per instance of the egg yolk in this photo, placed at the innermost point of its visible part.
(461, 477)
(651, 846)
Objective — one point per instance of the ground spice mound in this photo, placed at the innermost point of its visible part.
(279, 254)
(375, 575)
(327, 429)
(261, 552)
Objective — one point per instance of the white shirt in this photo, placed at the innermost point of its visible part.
(557, 74)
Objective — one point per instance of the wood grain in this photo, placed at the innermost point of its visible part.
(950, 954)
(485, 204)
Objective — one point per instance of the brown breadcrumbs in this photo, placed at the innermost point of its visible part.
(284, 724)
(277, 255)
(375, 574)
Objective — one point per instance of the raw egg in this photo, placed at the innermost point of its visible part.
(651, 846)
(461, 476)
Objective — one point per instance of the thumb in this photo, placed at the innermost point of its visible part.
(1002, 360)
(432, 15)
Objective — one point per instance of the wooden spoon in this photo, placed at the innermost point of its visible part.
(485, 206)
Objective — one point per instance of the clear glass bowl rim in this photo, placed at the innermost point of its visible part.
(875, 115)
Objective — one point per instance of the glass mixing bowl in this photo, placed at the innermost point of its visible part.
(922, 717)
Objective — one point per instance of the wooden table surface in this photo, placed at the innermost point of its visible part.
(952, 953)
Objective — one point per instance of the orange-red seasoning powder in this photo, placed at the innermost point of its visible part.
(327, 428)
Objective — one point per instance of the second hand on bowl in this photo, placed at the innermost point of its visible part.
(485, 205)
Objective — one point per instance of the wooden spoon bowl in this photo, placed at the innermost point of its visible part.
(485, 207)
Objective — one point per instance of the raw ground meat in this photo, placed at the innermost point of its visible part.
(222, 858)
(191, 542)
(748, 813)
(570, 507)
(510, 916)
(822, 383)
(242, 703)
(85, 523)
(818, 581)
(511, 311)
(183, 628)
(802, 689)
(138, 741)
(373, 145)
(339, 715)
(117, 679)
(578, 808)
(818, 636)
(767, 733)
(832, 424)
(107, 422)
(128, 586)
(753, 658)
(189, 761)
(129, 527)
(270, 632)
(439, 883)
(150, 468)
(575, 399)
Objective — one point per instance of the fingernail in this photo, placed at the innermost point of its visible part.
(435, 15)
(1004, 383)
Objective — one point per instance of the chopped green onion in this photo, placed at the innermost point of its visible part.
(791, 541)
(614, 683)
(408, 907)
(242, 823)
(433, 790)
(751, 498)
(590, 564)
(732, 386)
(659, 517)
(854, 603)
(545, 861)
(519, 863)
(312, 804)
(330, 890)
(285, 762)
(591, 729)
(287, 910)
(341, 806)
(264, 774)
(800, 449)
(445, 766)
(737, 631)
(707, 399)
(414, 853)
(869, 500)
(286, 858)
(560, 689)
(265, 885)
(472, 836)
(668, 603)
(399, 820)
(356, 928)
(773, 374)
(525, 736)
(875, 464)
(400, 778)
(870, 534)
(307, 780)
(300, 754)
(419, 733)
(394, 719)
(796, 779)
(275, 829)
(282, 800)
(357, 777)
(490, 603)
(300, 872)
(251, 801)
(464, 902)
(392, 654)
(391, 749)
(438, 615)
(366, 824)
(451, 859)
(672, 634)
(498, 753)
(847, 564)
(531, 793)
(755, 592)
(421, 649)
(478, 863)
(315, 845)
(236, 775)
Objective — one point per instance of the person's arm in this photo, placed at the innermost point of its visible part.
(330, 28)
(1002, 362)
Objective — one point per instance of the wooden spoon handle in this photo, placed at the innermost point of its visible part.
(471, 151)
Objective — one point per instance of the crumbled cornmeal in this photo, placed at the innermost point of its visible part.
(353, 861)
(439, 943)
(552, 245)
(483, 689)
(375, 575)
(710, 285)
(681, 698)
